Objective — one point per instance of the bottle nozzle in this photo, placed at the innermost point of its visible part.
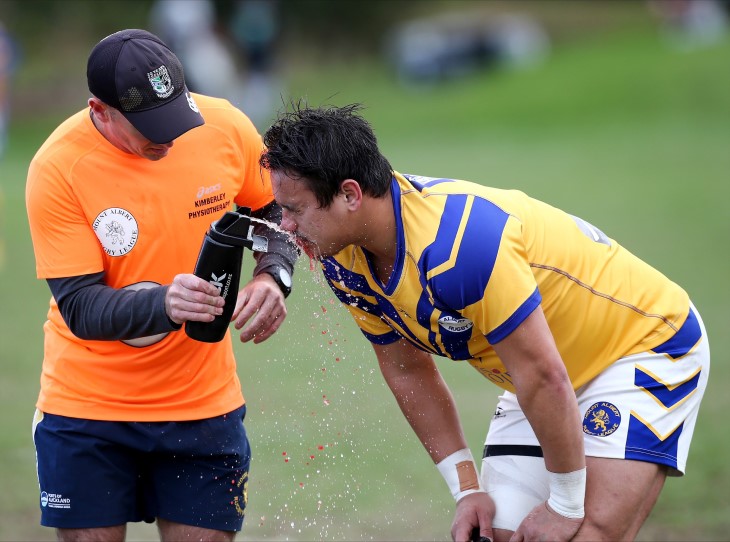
(235, 228)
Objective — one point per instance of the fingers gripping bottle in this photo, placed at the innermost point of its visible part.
(219, 262)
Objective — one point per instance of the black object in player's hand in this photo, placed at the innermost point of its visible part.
(475, 537)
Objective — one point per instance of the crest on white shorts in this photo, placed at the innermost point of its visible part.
(601, 419)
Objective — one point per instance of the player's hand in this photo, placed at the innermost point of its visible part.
(260, 307)
(473, 512)
(192, 298)
(543, 524)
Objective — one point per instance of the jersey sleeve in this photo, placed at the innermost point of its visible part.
(64, 243)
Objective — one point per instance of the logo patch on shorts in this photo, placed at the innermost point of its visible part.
(240, 501)
(54, 500)
(601, 419)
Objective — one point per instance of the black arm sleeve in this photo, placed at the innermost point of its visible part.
(94, 311)
(282, 251)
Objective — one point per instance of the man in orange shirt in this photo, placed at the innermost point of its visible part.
(119, 199)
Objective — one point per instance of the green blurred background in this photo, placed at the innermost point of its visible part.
(622, 119)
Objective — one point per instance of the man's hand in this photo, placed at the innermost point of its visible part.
(190, 298)
(543, 524)
(262, 302)
(473, 511)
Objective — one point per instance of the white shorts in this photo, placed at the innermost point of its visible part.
(643, 407)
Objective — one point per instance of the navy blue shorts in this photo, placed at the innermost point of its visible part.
(100, 474)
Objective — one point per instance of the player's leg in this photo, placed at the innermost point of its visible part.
(620, 494)
(516, 483)
(513, 470)
(87, 478)
(639, 418)
(100, 534)
(174, 532)
(199, 486)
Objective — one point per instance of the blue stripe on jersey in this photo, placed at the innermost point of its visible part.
(683, 340)
(456, 343)
(509, 325)
(336, 274)
(424, 310)
(660, 391)
(464, 282)
(400, 242)
(439, 252)
(339, 274)
(419, 183)
(644, 445)
(355, 301)
(382, 340)
(424, 313)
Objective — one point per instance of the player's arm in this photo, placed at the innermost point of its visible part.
(282, 252)
(93, 310)
(546, 396)
(260, 308)
(429, 407)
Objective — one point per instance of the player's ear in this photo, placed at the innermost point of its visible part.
(98, 108)
(351, 192)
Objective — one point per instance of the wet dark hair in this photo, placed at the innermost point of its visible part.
(323, 146)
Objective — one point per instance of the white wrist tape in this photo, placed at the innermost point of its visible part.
(567, 493)
(460, 473)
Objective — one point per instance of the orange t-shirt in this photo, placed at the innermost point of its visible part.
(94, 208)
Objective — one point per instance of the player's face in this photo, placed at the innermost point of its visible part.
(126, 137)
(319, 231)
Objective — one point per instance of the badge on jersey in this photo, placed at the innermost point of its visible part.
(455, 325)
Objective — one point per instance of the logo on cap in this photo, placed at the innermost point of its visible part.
(161, 82)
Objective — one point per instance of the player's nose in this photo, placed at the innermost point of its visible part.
(287, 223)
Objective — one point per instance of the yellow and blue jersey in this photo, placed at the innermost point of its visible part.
(473, 262)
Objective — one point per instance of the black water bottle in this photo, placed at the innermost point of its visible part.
(219, 262)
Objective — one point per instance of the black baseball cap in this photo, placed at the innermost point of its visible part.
(135, 72)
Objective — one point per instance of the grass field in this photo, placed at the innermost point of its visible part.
(620, 129)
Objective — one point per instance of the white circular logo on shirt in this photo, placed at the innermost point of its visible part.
(455, 325)
(117, 230)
